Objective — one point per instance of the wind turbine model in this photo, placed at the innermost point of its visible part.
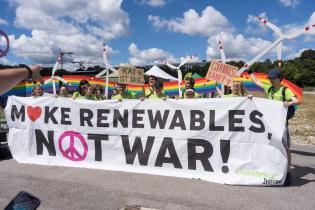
(278, 31)
(275, 43)
(179, 72)
(223, 59)
(106, 70)
(53, 77)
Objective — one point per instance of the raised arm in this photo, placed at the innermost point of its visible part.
(12, 76)
(254, 79)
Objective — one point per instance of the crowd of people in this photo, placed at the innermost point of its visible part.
(155, 90)
(273, 91)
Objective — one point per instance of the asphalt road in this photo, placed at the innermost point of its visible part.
(75, 188)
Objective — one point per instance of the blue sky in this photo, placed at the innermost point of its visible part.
(150, 31)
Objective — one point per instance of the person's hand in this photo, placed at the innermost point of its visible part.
(287, 104)
(142, 98)
(36, 77)
(176, 97)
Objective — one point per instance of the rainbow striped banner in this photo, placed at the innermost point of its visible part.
(202, 85)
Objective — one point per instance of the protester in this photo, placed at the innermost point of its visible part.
(150, 92)
(9, 77)
(189, 85)
(99, 93)
(90, 92)
(37, 90)
(115, 91)
(276, 91)
(79, 91)
(237, 90)
(86, 92)
(190, 93)
(63, 91)
(122, 93)
(158, 90)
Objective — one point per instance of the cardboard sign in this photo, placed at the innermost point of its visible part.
(130, 75)
(222, 73)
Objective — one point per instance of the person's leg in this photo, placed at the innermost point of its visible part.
(288, 148)
(286, 144)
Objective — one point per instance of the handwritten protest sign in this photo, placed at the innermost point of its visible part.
(222, 73)
(233, 141)
(130, 75)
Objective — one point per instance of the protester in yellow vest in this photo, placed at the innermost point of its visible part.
(99, 93)
(276, 91)
(189, 84)
(122, 93)
(79, 91)
(63, 91)
(156, 93)
(87, 92)
(150, 91)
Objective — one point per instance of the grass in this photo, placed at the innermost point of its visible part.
(300, 126)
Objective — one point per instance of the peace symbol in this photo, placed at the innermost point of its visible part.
(6, 50)
(71, 152)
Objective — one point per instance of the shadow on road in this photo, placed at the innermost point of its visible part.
(298, 173)
(5, 153)
(303, 153)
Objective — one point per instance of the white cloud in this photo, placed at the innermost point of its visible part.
(211, 21)
(309, 36)
(78, 26)
(152, 3)
(84, 47)
(154, 56)
(4, 61)
(296, 54)
(148, 56)
(238, 47)
(101, 18)
(193, 58)
(289, 3)
(3, 22)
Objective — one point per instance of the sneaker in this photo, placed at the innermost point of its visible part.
(287, 180)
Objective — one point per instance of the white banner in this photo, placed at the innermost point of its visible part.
(232, 140)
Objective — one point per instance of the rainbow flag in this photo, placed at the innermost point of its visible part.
(202, 85)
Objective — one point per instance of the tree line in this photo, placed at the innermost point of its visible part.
(300, 70)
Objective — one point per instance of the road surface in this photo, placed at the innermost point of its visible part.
(77, 188)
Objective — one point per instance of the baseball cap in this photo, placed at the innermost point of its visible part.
(274, 73)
